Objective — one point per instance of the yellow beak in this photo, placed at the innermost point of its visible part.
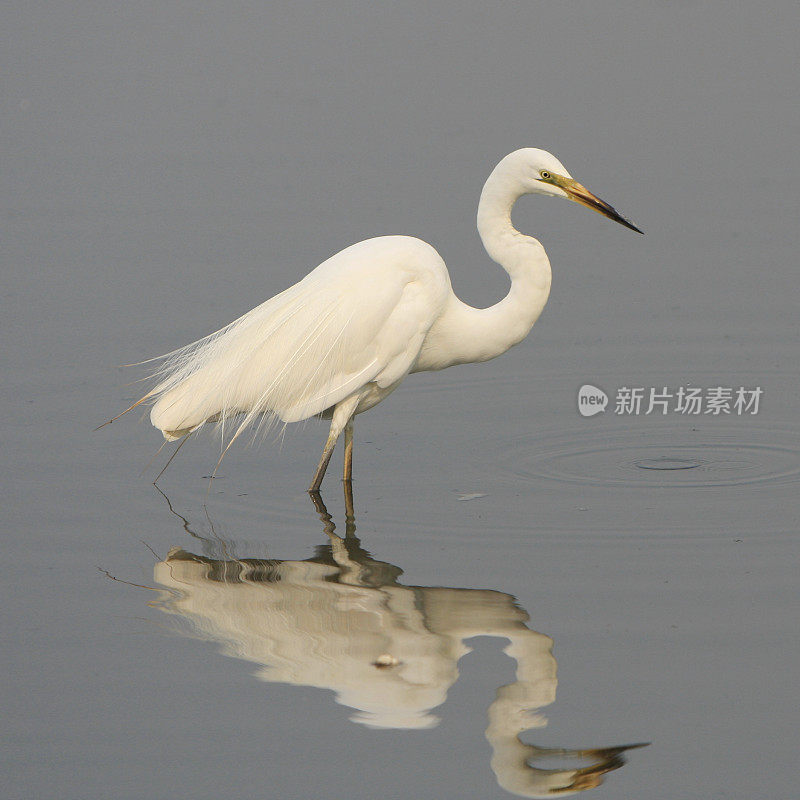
(580, 194)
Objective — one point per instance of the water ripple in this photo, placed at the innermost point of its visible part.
(631, 459)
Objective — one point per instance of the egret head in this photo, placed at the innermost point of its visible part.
(542, 173)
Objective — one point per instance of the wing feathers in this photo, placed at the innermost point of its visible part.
(292, 357)
(360, 316)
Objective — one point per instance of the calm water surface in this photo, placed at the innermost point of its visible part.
(517, 592)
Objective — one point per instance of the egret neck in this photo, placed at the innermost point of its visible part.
(465, 334)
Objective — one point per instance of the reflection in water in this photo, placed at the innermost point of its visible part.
(341, 621)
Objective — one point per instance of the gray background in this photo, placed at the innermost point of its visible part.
(166, 166)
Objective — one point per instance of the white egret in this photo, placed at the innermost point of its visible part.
(343, 338)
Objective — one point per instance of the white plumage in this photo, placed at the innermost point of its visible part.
(345, 336)
(358, 320)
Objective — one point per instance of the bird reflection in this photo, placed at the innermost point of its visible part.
(342, 621)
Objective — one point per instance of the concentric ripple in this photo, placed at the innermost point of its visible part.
(639, 460)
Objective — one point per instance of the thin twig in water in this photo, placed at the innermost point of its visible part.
(155, 555)
(130, 583)
(182, 442)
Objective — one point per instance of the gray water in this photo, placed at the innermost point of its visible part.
(619, 579)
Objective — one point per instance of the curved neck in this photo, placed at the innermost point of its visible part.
(500, 238)
(466, 334)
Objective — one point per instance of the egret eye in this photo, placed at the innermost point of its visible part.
(544, 175)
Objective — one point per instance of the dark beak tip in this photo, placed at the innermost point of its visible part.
(617, 217)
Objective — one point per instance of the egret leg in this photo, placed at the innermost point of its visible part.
(350, 514)
(348, 451)
(341, 416)
(327, 452)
